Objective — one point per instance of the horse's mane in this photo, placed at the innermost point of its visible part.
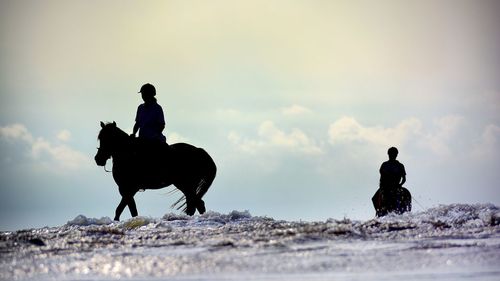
(111, 126)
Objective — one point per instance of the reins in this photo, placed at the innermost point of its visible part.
(418, 203)
(104, 167)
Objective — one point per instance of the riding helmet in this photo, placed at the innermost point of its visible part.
(148, 89)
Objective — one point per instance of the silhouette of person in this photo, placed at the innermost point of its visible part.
(392, 196)
(392, 173)
(149, 120)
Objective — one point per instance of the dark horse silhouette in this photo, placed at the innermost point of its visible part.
(140, 164)
(391, 200)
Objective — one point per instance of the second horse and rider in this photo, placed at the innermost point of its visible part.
(391, 195)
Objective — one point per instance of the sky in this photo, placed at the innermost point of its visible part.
(297, 102)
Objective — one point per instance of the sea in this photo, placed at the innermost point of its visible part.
(447, 242)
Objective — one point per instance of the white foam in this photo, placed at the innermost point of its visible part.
(452, 239)
(82, 220)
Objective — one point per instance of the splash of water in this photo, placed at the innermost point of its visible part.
(448, 240)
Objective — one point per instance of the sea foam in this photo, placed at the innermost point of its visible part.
(446, 242)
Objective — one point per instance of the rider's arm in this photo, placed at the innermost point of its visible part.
(161, 119)
(403, 176)
(136, 128)
(137, 118)
(403, 180)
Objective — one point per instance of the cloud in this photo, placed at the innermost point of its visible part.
(445, 129)
(295, 110)
(488, 145)
(16, 131)
(438, 138)
(228, 113)
(59, 156)
(174, 137)
(269, 136)
(349, 130)
(64, 135)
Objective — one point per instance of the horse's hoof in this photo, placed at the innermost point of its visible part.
(190, 211)
(201, 207)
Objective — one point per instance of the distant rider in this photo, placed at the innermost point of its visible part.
(392, 173)
(149, 120)
(392, 196)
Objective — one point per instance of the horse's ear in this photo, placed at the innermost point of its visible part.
(102, 124)
(114, 124)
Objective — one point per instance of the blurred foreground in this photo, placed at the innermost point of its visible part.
(449, 242)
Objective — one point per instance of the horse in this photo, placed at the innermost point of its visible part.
(140, 165)
(389, 200)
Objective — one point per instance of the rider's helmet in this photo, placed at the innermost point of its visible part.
(148, 89)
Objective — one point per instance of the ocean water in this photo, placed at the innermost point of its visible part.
(448, 242)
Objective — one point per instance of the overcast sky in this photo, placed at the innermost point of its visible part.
(296, 101)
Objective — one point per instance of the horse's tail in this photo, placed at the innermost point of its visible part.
(208, 171)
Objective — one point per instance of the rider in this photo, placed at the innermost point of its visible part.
(392, 173)
(149, 120)
(391, 196)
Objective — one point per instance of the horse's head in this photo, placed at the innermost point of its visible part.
(106, 137)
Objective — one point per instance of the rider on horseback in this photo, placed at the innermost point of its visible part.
(150, 148)
(149, 120)
(392, 196)
(392, 173)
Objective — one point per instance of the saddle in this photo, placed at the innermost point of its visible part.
(150, 162)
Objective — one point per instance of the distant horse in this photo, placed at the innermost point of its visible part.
(391, 200)
(140, 165)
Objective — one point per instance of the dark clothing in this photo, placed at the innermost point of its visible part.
(391, 173)
(151, 121)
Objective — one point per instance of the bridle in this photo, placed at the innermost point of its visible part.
(107, 153)
(104, 167)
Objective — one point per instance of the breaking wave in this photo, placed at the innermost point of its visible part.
(456, 237)
(455, 217)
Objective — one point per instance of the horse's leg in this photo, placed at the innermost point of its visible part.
(200, 190)
(119, 209)
(188, 191)
(132, 207)
(190, 202)
(127, 199)
(208, 172)
(200, 206)
(194, 191)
